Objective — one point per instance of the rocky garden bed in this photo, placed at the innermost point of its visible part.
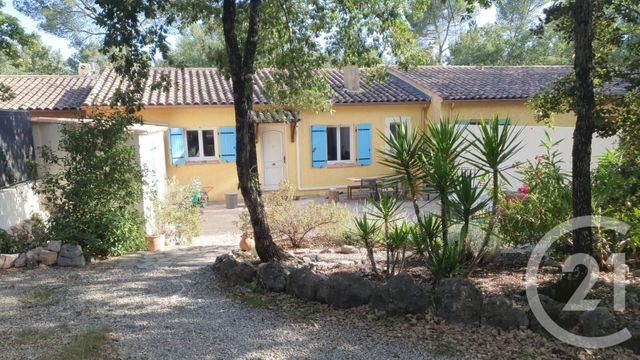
(490, 298)
(53, 253)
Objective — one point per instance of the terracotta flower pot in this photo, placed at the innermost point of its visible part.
(155, 242)
(246, 242)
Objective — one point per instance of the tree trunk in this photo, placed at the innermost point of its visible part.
(246, 159)
(583, 133)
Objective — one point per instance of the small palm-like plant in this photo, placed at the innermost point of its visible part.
(396, 244)
(401, 156)
(493, 149)
(426, 230)
(387, 211)
(445, 144)
(467, 200)
(368, 232)
(443, 259)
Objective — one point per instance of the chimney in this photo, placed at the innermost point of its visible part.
(351, 75)
(87, 69)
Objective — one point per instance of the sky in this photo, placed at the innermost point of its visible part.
(484, 17)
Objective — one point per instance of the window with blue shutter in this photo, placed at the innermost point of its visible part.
(176, 146)
(227, 137)
(318, 146)
(363, 142)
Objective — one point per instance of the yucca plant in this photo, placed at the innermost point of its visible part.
(492, 151)
(467, 199)
(368, 232)
(396, 244)
(426, 230)
(443, 259)
(401, 155)
(445, 145)
(387, 211)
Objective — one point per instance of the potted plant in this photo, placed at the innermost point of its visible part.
(155, 238)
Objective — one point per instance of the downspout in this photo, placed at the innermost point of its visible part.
(299, 169)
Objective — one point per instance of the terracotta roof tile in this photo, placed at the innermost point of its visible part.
(484, 82)
(208, 86)
(47, 92)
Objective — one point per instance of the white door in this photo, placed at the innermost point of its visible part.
(272, 159)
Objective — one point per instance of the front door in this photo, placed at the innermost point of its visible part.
(272, 158)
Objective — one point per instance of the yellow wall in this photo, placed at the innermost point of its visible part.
(221, 177)
(516, 110)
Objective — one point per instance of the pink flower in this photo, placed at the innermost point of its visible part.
(524, 191)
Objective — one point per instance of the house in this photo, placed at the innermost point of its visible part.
(312, 151)
(51, 101)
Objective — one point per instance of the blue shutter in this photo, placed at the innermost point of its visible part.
(227, 137)
(176, 146)
(318, 146)
(363, 142)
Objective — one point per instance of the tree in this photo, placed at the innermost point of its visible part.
(513, 40)
(602, 90)
(74, 20)
(90, 52)
(438, 24)
(34, 58)
(197, 46)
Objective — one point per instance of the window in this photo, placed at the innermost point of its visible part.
(338, 143)
(394, 123)
(201, 144)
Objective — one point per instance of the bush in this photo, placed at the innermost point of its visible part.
(93, 197)
(541, 203)
(319, 220)
(176, 215)
(25, 236)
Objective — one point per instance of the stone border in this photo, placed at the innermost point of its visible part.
(54, 253)
(455, 300)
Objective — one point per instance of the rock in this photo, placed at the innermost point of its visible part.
(634, 342)
(78, 261)
(458, 300)
(47, 257)
(21, 261)
(233, 272)
(345, 262)
(272, 276)
(599, 322)
(54, 245)
(500, 312)
(71, 256)
(401, 295)
(305, 284)
(70, 250)
(565, 319)
(347, 249)
(7, 260)
(300, 251)
(327, 251)
(347, 290)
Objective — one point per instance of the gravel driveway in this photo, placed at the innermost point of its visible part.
(166, 306)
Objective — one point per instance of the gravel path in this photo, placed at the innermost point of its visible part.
(166, 306)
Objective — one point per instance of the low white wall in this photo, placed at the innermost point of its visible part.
(531, 136)
(17, 203)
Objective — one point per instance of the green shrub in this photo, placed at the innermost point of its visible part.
(27, 235)
(176, 215)
(542, 202)
(94, 194)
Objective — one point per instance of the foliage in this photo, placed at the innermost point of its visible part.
(387, 210)
(396, 243)
(197, 46)
(27, 235)
(401, 155)
(368, 232)
(512, 39)
(297, 224)
(175, 214)
(542, 202)
(443, 258)
(93, 197)
(438, 24)
(34, 58)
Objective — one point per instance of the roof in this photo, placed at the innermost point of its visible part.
(208, 86)
(47, 92)
(484, 82)
(274, 116)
